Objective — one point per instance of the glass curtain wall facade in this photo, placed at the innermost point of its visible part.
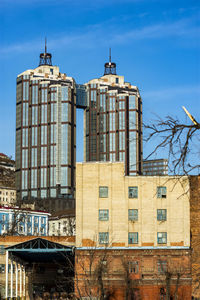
(45, 140)
(113, 126)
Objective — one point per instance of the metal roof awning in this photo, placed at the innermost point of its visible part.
(40, 250)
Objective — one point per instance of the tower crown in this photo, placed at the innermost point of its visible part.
(45, 58)
(110, 67)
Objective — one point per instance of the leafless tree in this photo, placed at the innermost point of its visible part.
(169, 277)
(179, 138)
(130, 283)
(13, 226)
(92, 275)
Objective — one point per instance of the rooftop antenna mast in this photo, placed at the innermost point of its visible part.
(110, 67)
(45, 45)
(45, 58)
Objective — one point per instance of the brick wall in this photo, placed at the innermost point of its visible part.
(195, 233)
(111, 271)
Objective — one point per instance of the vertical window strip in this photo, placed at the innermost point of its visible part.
(34, 157)
(25, 114)
(64, 176)
(34, 136)
(25, 137)
(64, 144)
(43, 177)
(34, 115)
(34, 178)
(25, 158)
(64, 112)
(64, 96)
(25, 90)
(43, 156)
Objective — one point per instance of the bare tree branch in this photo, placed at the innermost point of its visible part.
(178, 138)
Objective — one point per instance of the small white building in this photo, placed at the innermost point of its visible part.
(7, 196)
(62, 223)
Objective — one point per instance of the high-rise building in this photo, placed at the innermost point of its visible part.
(113, 121)
(45, 136)
(153, 167)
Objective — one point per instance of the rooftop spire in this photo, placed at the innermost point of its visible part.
(45, 58)
(110, 67)
(45, 45)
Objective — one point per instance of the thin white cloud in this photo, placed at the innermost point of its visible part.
(99, 34)
(171, 93)
(182, 28)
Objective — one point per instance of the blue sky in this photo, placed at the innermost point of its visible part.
(155, 45)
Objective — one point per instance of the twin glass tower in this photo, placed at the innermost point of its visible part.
(46, 130)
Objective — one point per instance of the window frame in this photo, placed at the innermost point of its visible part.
(103, 238)
(133, 217)
(133, 267)
(101, 191)
(105, 215)
(2, 250)
(2, 268)
(134, 234)
(161, 192)
(135, 192)
(162, 266)
(164, 236)
(161, 216)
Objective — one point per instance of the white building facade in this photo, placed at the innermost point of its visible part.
(15, 221)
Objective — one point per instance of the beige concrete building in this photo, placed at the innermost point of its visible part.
(7, 196)
(130, 211)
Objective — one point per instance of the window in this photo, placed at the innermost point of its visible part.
(29, 219)
(21, 229)
(103, 192)
(103, 237)
(35, 230)
(133, 214)
(133, 192)
(43, 220)
(117, 80)
(162, 266)
(36, 220)
(133, 267)
(42, 230)
(2, 268)
(161, 214)
(3, 217)
(161, 192)
(133, 238)
(103, 214)
(29, 229)
(53, 227)
(162, 237)
(2, 249)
